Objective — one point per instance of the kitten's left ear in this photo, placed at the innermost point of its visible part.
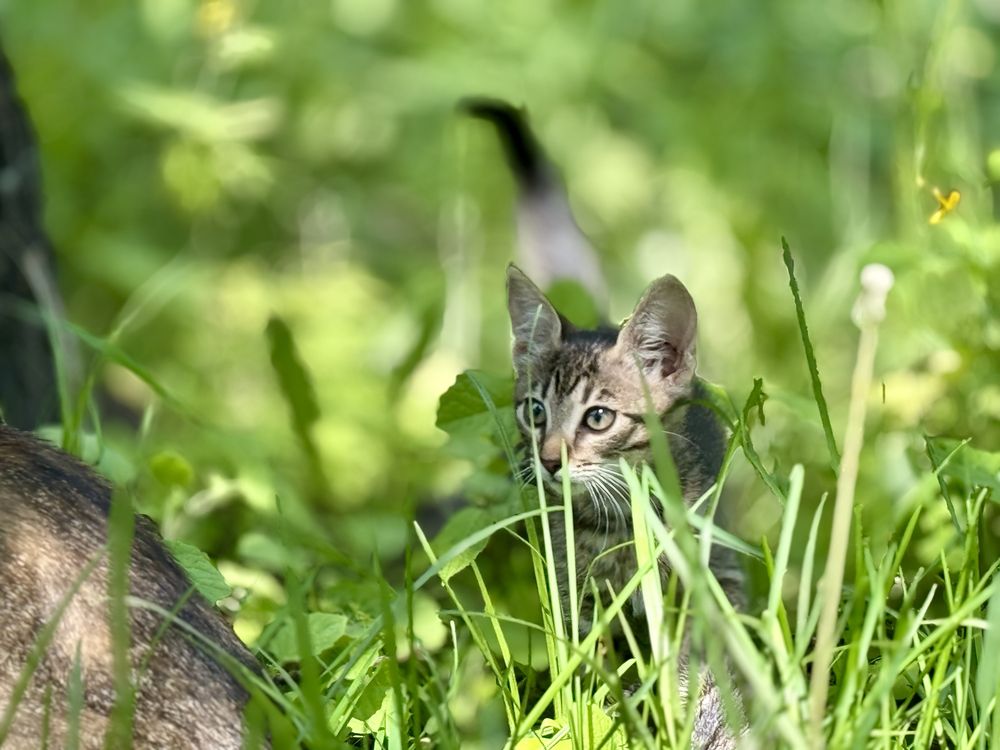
(661, 332)
(537, 327)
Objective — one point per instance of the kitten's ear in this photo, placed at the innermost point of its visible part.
(661, 332)
(536, 324)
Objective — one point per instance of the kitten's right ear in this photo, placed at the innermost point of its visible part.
(536, 325)
(661, 332)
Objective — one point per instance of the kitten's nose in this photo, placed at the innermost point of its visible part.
(552, 465)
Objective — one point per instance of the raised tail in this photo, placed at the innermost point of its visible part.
(551, 246)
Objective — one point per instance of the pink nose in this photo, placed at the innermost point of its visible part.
(552, 465)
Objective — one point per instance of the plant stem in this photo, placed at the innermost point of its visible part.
(869, 312)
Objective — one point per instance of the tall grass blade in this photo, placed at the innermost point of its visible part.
(988, 670)
(297, 389)
(74, 702)
(817, 385)
(121, 529)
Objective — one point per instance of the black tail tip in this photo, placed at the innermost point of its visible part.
(526, 158)
(490, 108)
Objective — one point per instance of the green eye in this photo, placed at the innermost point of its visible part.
(533, 412)
(598, 418)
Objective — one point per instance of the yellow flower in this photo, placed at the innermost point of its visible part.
(946, 204)
(215, 17)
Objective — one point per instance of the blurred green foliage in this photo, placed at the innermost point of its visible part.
(212, 165)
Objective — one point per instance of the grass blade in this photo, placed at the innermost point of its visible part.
(817, 386)
(121, 529)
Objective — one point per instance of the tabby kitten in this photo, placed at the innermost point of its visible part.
(584, 388)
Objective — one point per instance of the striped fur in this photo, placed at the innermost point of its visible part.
(563, 373)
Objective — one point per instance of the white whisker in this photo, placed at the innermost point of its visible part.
(609, 506)
(601, 482)
(524, 474)
(615, 488)
(599, 504)
(685, 438)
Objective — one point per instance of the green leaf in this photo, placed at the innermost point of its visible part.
(325, 629)
(542, 738)
(296, 385)
(297, 388)
(171, 469)
(201, 117)
(462, 411)
(461, 525)
(200, 570)
(971, 467)
(374, 693)
(755, 403)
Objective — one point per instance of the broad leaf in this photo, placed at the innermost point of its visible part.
(325, 629)
(463, 411)
(461, 525)
(972, 467)
(203, 574)
(374, 694)
(171, 469)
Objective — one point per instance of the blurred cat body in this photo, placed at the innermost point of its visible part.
(53, 525)
(586, 390)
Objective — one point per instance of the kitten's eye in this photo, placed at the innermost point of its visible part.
(598, 418)
(533, 412)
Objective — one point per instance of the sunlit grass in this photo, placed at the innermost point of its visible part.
(902, 670)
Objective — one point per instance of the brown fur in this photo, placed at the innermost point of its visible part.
(53, 523)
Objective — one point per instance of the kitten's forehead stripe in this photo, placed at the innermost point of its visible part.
(576, 362)
(571, 386)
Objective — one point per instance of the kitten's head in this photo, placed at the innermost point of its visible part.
(585, 387)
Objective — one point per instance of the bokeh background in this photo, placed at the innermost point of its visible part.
(210, 164)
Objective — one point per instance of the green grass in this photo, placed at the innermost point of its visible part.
(910, 660)
(903, 670)
(456, 639)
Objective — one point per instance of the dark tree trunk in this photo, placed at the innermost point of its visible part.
(28, 393)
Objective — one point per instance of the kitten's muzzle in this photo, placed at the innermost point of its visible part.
(551, 465)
